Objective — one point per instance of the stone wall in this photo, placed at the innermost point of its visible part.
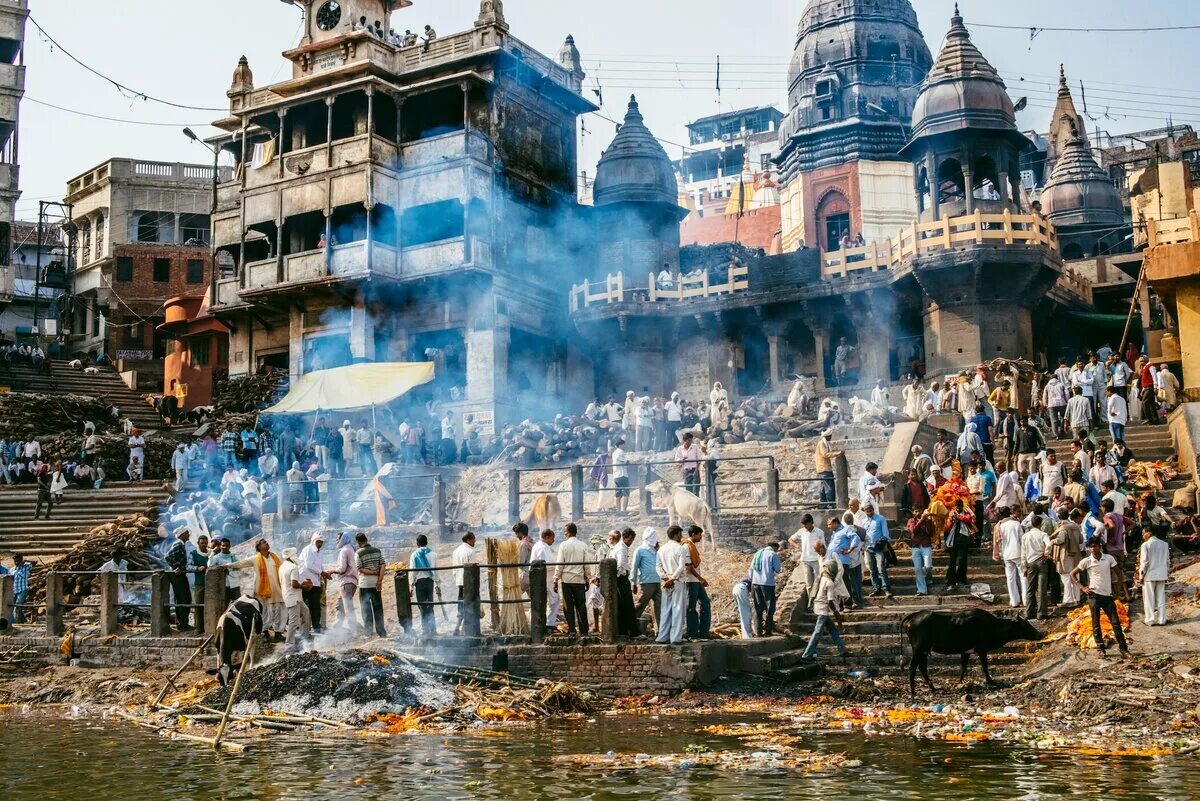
(169, 652)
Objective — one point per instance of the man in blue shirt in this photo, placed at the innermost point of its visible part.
(20, 574)
(848, 547)
(878, 539)
(644, 575)
(763, 569)
(983, 427)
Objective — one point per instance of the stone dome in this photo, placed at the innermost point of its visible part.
(962, 90)
(1079, 192)
(634, 168)
(864, 50)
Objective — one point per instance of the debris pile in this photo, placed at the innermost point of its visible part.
(25, 414)
(1151, 475)
(132, 533)
(1079, 627)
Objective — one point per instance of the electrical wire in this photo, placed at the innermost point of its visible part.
(113, 119)
(1051, 28)
(119, 86)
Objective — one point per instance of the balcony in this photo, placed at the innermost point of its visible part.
(438, 149)
(309, 161)
(262, 273)
(12, 78)
(306, 266)
(227, 292)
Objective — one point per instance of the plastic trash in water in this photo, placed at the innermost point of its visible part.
(1012, 711)
(859, 674)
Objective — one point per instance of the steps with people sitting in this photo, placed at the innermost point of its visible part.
(80, 512)
(105, 384)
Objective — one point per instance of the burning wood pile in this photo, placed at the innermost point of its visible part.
(132, 533)
(25, 414)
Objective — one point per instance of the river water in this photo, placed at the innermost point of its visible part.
(84, 759)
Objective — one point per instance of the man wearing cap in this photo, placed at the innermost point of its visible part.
(298, 620)
(823, 460)
(644, 574)
(347, 572)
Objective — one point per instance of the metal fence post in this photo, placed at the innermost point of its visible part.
(577, 492)
(109, 588)
(471, 612)
(403, 601)
(537, 602)
(647, 498)
(514, 495)
(160, 614)
(333, 502)
(772, 485)
(608, 588)
(54, 608)
(214, 596)
(841, 481)
(439, 505)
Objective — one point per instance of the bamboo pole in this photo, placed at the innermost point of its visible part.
(171, 681)
(246, 662)
(232, 746)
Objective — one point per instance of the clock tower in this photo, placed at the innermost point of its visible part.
(325, 19)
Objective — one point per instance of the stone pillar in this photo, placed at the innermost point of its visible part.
(403, 601)
(177, 233)
(537, 601)
(608, 588)
(6, 598)
(109, 589)
(160, 612)
(487, 364)
(514, 498)
(773, 355)
(968, 192)
(215, 585)
(874, 352)
(935, 200)
(296, 342)
(362, 333)
(470, 602)
(54, 607)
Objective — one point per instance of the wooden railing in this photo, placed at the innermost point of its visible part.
(1174, 230)
(978, 228)
(1073, 283)
(614, 289)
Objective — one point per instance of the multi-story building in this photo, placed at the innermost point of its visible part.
(13, 14)
(397, 202)
(142, 232)
(719, 148)
(34, 301)
(850, 104)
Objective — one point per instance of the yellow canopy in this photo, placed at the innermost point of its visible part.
(354, 386)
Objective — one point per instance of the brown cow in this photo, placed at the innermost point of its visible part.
(546, 513)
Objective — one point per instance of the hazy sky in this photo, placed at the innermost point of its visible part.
(663, 50)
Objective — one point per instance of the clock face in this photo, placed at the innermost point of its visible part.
(329, 15)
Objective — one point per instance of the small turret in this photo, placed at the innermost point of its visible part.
(569, 58)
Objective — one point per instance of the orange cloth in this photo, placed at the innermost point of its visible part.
(383, 502)
(263, 587)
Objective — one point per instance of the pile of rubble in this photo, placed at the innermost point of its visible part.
(26, 414)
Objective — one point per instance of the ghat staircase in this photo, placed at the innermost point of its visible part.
(80, 512)
(106, 385)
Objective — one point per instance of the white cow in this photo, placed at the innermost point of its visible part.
(683, 505)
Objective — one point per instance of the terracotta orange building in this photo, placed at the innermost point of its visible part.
(198, 354)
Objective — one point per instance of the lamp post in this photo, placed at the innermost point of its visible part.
(212, 214)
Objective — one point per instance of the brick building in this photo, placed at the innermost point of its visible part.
(197, 354)
(142, 234)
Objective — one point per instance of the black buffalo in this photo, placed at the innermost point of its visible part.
(959, 633)
(234, 627)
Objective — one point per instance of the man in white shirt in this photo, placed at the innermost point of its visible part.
(1099, 567)
(672, 562)
(1120, 376)
(462, 556)
(1007, 548)
(298, 619)
(1053, 473)
(1118, 413)
(807, 538)
(1081, 457)
(1154, 568)
(1035, 549)
(621, 475)
(571, 579)
(1079, 413)
(687, 456)
(1119, 499)
(869, 486)
(544, 552)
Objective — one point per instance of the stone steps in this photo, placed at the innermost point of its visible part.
(107, 385)
(80, 512)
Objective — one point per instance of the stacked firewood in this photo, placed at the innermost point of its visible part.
(132, 533)
(246, 394)
(113, 449)
(29, 414)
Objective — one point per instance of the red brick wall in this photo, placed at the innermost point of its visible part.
(143, 297)
(842, 178)
(757, 229)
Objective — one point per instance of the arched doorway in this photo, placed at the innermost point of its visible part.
(833, 219)
(950, 181)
